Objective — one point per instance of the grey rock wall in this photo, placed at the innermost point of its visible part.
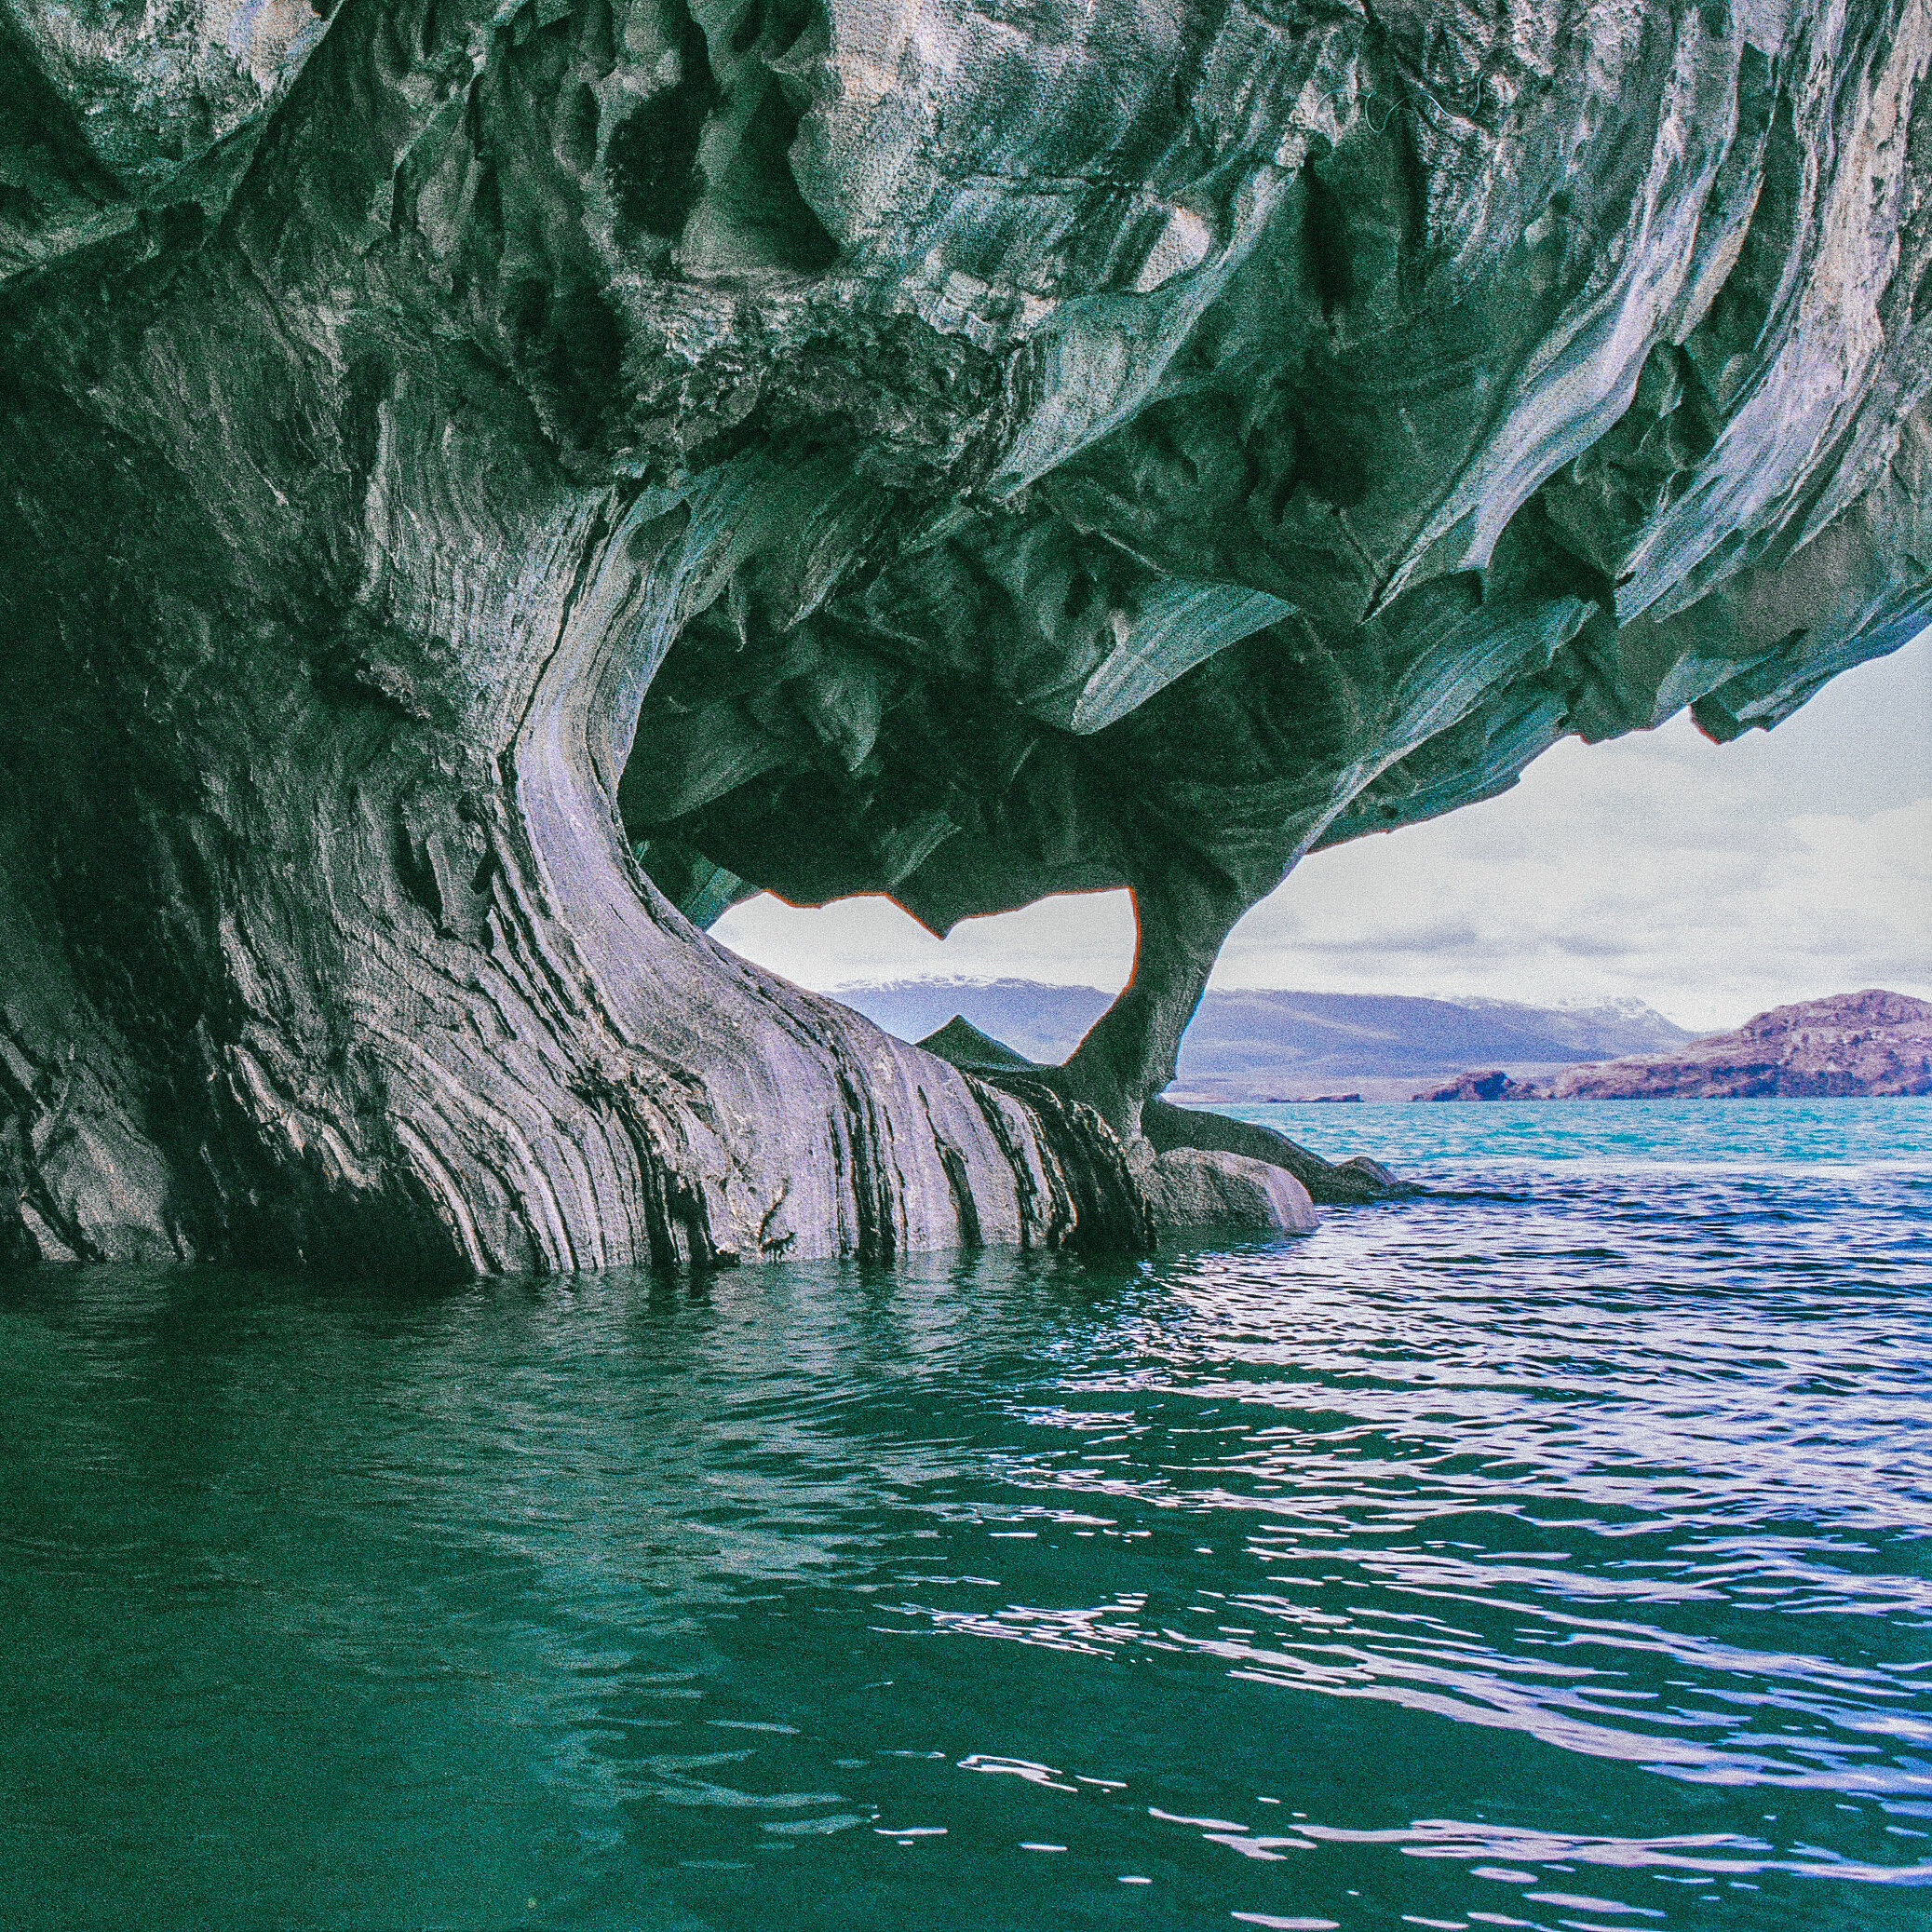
(451, 450)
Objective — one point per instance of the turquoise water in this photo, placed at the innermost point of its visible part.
(1554, 1551)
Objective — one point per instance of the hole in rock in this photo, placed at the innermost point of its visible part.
(763, 192)
(653, 154)
(1034, 979)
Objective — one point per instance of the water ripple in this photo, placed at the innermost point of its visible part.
(1554, 1550)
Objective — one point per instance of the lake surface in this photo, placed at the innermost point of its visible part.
(1553, 1552)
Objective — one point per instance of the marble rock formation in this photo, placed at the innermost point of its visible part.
(1195, 1170)
(486, 483)
(1193, 1187)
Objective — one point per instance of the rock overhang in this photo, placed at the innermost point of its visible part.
(1012, 453)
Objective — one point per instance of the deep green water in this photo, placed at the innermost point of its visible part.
(1556, 1551)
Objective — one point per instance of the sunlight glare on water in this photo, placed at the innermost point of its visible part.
(1554, 1550)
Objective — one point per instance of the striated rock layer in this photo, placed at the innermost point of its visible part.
(1206, 1187)
(487, 484)
(1872, 1044)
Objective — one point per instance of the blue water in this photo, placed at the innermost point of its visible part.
(1554, 1550)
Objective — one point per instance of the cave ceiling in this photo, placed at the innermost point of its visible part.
(1144, 440)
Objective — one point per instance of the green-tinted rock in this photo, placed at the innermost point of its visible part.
(851, 450)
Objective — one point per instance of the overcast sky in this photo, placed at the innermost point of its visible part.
(1710, 880)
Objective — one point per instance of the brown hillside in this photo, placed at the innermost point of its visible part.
(1872, 1043)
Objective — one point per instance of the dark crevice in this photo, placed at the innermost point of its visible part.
(709, 160)
(763, 195)
(578, 138)
(1922, 296)
(653, 155)
(1331, 265)
(1329, 454)
(47, 171)
(572, 341)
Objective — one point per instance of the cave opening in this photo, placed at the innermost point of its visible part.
(653, 153)
(1033, 979)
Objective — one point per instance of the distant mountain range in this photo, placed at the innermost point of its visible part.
(1869, 1044)
(1262, 1045)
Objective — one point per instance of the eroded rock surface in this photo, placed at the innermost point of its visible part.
(463, 463)
(1196, 1169)
(1197, 1187)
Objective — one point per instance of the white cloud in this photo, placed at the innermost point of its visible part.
(1076, 940)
